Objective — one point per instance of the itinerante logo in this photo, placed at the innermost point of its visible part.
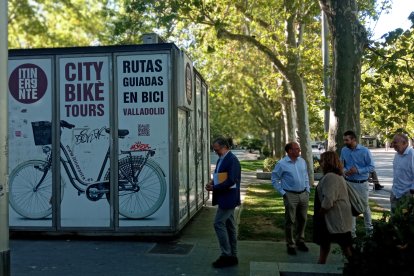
(28, 83)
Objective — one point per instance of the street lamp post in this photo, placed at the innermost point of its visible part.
(4, 206)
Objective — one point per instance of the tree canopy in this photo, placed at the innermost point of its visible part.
(258, 57)
(388, 78)
(47, 23)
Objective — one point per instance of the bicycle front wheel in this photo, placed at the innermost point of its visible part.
(143, 198)
(27, 200)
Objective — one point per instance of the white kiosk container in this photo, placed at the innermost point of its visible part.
(106, 140)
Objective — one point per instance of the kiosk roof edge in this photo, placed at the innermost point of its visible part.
(92, 49)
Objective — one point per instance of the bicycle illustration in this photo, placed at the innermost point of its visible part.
(141, 181)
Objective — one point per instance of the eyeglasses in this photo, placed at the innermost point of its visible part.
(217, 149)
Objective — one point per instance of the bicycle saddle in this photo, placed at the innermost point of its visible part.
(121, 132)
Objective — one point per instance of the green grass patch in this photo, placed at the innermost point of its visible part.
(263, 215)
(251, 165)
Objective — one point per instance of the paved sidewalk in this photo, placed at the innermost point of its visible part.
(189, 254)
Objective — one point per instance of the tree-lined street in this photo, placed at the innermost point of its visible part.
(269, 81)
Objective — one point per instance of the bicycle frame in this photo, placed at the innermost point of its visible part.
(74, 176)
(72, 173)
(44, 169)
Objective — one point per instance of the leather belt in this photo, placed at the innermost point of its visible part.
(356, 181)
(295, 192)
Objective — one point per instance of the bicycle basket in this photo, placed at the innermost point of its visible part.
(42, 133)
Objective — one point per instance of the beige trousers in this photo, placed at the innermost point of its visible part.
(296, 213)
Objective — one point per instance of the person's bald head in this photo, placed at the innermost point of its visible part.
(400, 143)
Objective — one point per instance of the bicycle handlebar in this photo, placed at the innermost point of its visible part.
(65, 124)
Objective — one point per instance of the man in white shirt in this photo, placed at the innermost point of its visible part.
(290, 179)
(403, 169)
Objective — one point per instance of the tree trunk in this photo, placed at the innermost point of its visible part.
(279, 141)
(289, 113)
(326, 71)
(348, 40)
(298, 88)
(294, 31)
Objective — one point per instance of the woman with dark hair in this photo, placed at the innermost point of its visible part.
(332, 213)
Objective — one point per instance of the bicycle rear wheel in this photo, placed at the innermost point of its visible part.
(24, 198)
(143, 198)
